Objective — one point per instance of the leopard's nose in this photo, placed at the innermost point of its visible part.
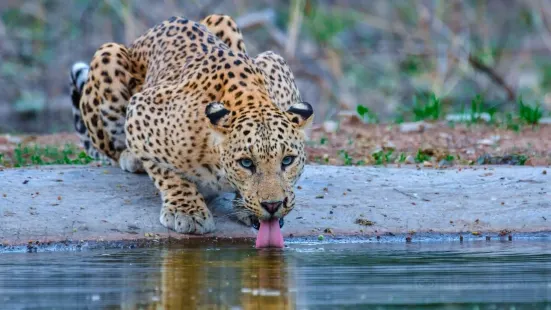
(271, 206)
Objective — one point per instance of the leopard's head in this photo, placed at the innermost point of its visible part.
(262, 152)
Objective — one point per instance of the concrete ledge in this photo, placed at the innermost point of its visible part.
(75, 205)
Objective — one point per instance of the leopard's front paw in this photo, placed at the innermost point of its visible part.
(198, 223)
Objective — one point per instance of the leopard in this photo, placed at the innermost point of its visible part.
(186, 104)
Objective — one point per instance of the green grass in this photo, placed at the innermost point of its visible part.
(427, 108)
(449, 158)
(529, 114)
(45, 155)
(366, 114)
(402, 158)
(422, 157)
(347, 160)
(478, 107)
(511, 123)
(382, 157)
(430, 107)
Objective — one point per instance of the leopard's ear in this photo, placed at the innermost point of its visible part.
(301, 113)
(218, 116)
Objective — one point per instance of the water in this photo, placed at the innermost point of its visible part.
(472, 275)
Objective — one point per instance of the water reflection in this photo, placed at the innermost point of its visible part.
(206, 279)
(456, 276)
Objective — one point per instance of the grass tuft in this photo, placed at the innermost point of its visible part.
(427, 108)
(366, 114)
(529, 114)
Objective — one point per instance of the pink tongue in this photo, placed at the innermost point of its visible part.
(269, 235)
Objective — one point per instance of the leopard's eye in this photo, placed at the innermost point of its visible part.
(246, 163)
(287, 160)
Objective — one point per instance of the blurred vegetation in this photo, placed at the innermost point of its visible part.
(368, 57)
(24, 155)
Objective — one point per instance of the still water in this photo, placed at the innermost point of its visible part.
(471, 275)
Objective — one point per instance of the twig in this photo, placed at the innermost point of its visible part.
(410, 195)
(256, 19)
(406, 194)
(293, 29)
(493, 75)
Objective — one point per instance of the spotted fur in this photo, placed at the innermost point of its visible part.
(187, 105)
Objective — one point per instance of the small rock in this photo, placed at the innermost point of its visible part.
(410, 160)
(389, 145)
(13, 139)
(9, 213)
(485, 142)
(427, 164)
(414, 127)
(328, 231)
(330, 126)
(467, 117)
(445, 163)
(364, 222)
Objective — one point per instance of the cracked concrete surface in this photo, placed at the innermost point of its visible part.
(58, 203)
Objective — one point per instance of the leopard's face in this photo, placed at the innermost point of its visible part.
(263, 157)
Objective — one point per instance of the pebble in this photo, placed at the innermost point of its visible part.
(410, 160)
(414, 127)
(330, 126)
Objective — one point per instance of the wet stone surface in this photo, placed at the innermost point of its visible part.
(98, 204)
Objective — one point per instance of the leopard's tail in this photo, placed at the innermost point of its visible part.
(79, 76)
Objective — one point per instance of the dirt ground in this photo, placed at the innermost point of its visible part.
(356, 143)
(429, 144)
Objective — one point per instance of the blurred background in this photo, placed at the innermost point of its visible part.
(377, 54)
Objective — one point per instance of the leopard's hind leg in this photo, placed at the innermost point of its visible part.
(225, 28)
(101, 108)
